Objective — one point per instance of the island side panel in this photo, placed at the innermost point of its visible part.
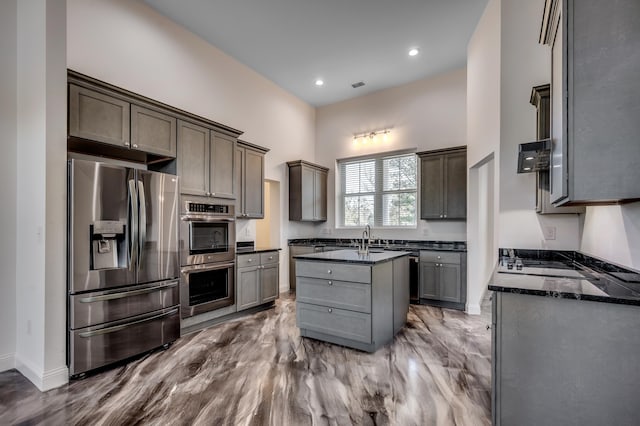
(400, 293)
(382, 303)
(564, 361)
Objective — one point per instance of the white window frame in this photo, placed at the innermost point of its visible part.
(378, 192)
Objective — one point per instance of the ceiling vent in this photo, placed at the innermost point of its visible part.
(358, 84)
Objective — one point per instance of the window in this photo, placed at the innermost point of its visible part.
(379, 191)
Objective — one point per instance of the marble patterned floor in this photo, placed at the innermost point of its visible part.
(259, 371)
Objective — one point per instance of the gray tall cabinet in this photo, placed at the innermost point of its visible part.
(595, 100)
(307, 191)
(250, 180)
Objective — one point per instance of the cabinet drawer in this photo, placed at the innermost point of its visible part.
(338, 294)
(333, 321)
(245, 260)
(334, 271)
(268, 258)
(439, 257)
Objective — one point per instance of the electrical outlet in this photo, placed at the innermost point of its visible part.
(549, 232)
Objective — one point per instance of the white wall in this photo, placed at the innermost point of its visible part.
(524, 63)
(130, 45)
(41, 194)
(427, 114)
(483, 151)
(8, 181)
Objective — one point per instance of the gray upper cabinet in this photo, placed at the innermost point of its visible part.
(194, 158)
(222, 163)
(153, 131)
(98, 117)
(595, 100)
(541, 99)
(443, 184)
(307, 191)
(250, 180)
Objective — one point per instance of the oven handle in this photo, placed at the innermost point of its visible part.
(202, 218)
(124, 294)
(209, 267)
(124, 326)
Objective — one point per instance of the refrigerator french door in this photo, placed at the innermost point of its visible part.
(123, 267)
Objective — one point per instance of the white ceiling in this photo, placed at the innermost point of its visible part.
(294, 42)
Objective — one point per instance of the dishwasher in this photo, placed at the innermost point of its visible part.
(414, 277)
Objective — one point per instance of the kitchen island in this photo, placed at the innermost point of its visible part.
(355, 300)
(565, 340)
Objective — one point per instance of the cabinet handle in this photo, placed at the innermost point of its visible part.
(439, 257)
(270, 257)
(135, 145)
(213, 194)
(330, 283)
(249, 260)
(126, 144)
(330, 310)
(440, 215)
(445, 215)
(329, 271)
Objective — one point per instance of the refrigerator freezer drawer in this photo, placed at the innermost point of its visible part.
(96, 308)
(94, 347)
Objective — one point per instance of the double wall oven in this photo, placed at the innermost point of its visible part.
(207, 256)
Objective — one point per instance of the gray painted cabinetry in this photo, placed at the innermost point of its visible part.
(206, 161)
(560, 361)
(257, 279)
(356, 305)
(443, 184)
(443, 278)
(307, 191)
(250, 180)
(595, 100)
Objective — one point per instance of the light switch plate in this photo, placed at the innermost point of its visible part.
(549, 232)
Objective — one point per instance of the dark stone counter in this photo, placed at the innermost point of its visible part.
(403, 245)
(352, 256)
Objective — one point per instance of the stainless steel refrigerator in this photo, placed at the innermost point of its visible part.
(123, 268)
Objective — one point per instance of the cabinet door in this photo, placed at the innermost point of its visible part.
(431, 187)
(449, 282)
(254, 184)
(194, 159)
(429, 277)
(222, 164)
(240, 183)
(455, 185)
(153, 132)
(307, 189)
(269, 283)
(320, 195)
(98, 117)
(558, 164)
(248, 283)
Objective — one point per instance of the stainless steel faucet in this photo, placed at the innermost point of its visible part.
(366, 240)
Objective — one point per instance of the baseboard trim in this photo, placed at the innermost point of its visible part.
(473, 309)
(47, 380)
(7, 362)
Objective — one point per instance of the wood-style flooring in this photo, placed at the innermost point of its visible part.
(259, 371)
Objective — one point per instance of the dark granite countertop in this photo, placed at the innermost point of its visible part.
(568, 275)
(352, 256)
(403, 245)
(249, 250)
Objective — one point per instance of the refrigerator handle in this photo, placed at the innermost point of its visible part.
(133, 240)
(143, 221)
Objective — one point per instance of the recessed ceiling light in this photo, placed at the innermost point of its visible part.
(529, 158)
(319, 82)
(527, 168)
(414, 51)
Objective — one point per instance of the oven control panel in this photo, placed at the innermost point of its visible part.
(207, 208)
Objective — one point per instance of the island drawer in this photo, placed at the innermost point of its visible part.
(338, 294)
(439, 257)
(268, 257)
(245, 260)
(334, 271)
(335, 322)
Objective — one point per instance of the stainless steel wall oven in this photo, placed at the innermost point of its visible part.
(207, 256)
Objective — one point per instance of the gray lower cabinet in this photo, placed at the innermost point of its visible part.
(257, 279)
(559, 361)
(250, 180)
(356, 305)
(97, 116)
(443, 278)
(443, 184)
(206, 161)
(307, 191)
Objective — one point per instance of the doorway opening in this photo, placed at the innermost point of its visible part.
(268, 229)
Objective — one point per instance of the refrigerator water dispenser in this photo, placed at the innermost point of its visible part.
(107, 242)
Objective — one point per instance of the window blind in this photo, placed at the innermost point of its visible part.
(379, 190)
